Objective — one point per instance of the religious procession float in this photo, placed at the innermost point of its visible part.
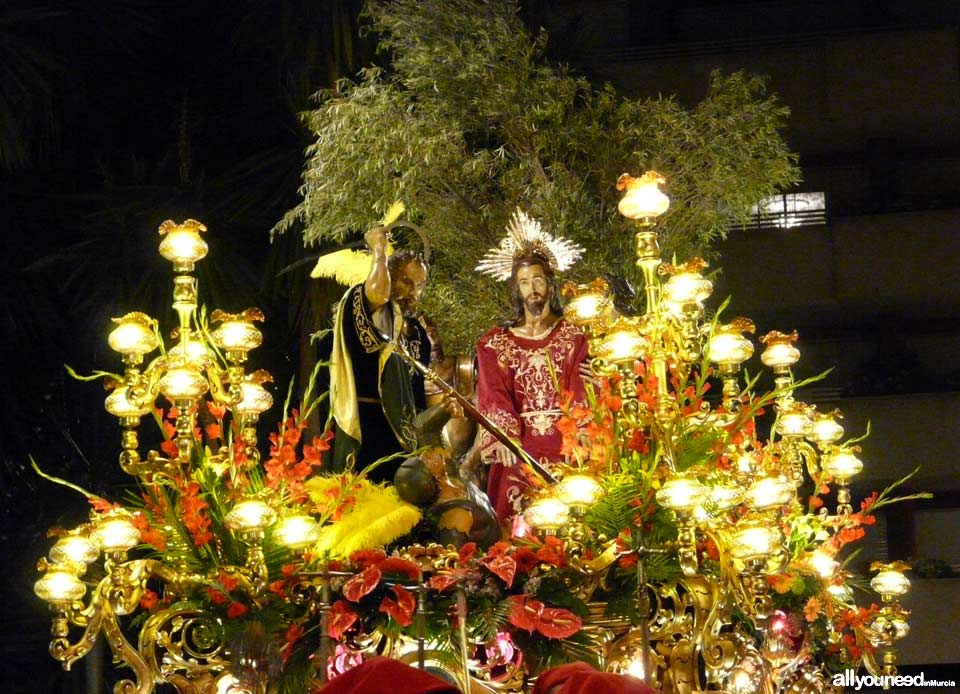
(676, 543)
(697, 529)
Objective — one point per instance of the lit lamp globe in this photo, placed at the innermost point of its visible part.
(182, 245)
(728, 348)
(118, 404)
(133, 337)
(59, 587)
(824, 429)
(681, 495)
(237, 335)
(191, 350)
(587, 304)
(183, 383)
(579, 492)
(622, 344)
(254, 401)
(821, 562)
(642, 200)
(115, 532)
(250, 516)
(547, 514)
(890, 583)
(75, 549)
(297, 532)
(687, 287)
(841, 464)
(769, 492)
(780, 354)
(754, 542)
(794, 420)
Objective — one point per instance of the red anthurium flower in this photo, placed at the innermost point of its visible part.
(503, 566)
(440, 582)
(558, 623)
(524, 612)
(402, 608)
(532, 615)
(362, 584)
(342, 618)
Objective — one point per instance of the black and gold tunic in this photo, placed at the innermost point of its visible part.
(374, 393)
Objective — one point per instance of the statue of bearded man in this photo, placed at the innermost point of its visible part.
(527, 366)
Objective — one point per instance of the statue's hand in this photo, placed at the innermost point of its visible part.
(452, 406)
(376, 238)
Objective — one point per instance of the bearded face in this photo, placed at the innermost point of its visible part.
(407, 286)
(534, 288)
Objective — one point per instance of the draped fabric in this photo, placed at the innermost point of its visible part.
(374, 393)
(580, 678)
(521, 387)
(381, 675)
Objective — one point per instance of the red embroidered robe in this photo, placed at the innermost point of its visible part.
(516, 391)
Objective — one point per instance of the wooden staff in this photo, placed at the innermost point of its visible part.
(475, 414)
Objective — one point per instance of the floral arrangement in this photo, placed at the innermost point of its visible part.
(718, 444)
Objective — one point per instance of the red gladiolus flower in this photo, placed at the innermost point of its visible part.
(101, 505)
(217, 597)
(278, 588)
(236, 609)
(169, 448)
(216, 410)
(552, 552)
(228, 582)
(292, 635)
(148, 600)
